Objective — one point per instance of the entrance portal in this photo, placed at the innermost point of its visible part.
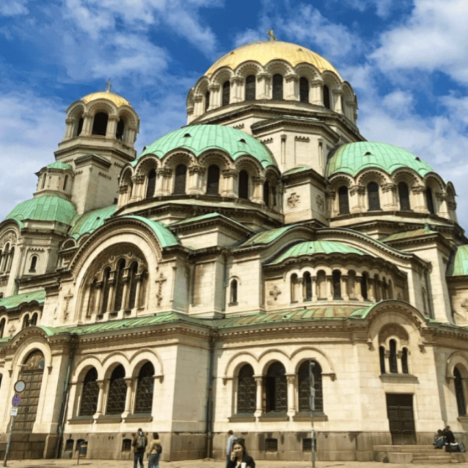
(401, 418)
(32, 373)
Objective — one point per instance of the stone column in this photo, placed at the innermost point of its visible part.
(292, 87)
(370, 289)
(315, 93)
(263, 81)
(215, 96)
(358, 288)
(87, 125)
(344, 287)
(130, 136)
(419, 200)
(356, 199)
(330, 288)
(128, 397)
(70, 127)
(195, 180)
(111, 298)
(291, 392)
(443, 206)
(387, 362)
(125, 291)
(399, 363)
(111, 126)
(236, 89)
(198, 108)
(259, 399)
(314, 288)
(257, 195)
(337, 107)
(123, 195)
(100, 402)
(76, 393)
(390, 202)
(162, 176)
(138, 186)
(229, 180)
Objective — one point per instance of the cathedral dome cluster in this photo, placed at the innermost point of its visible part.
(265, 238)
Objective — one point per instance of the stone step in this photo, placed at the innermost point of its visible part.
(448, 461)
(402, 448)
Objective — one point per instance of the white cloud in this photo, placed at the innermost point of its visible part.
(13, 7)
(383, 8)
(434, 38)
(247, 37)
(399, 102)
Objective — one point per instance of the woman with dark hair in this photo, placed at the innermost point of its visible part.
(239, 456)
(154, 451)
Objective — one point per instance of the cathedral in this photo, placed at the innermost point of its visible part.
(188, 290)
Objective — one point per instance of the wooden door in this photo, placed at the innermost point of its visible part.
(401, 418)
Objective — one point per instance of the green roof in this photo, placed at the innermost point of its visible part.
(315, 247)
(90, 221)
(210, 137)
(459, 264)
(162, 232)
(266, 237)
(13, 302)
(295, 170)
(353, 157)
(45, 208)
(410, 234)
(205, 217)
(59, 165)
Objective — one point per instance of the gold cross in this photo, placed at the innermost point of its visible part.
(272, 35)
(109, 86)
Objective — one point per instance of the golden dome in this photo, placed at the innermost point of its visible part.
(115, 98)
(265, 51)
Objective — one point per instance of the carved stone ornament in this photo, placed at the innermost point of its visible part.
(293, 200)
(12, 330)
(275, 292)
(67, 298)
(464, 304)
(320, 203)
(160, 281)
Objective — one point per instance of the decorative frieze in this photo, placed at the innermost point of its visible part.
(293, 200)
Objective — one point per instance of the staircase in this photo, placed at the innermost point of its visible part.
(416, 454)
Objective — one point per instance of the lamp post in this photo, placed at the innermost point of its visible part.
(312, 408)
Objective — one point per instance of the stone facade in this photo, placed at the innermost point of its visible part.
(186, 291)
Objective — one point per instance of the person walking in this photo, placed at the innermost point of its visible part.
(140, 441)
(230, 443)
(239, 456)
(154, 451)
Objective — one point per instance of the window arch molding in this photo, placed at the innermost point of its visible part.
(113, 361)
(141, 357)
(306, 353)
(22, 356)
(83, 365)
(236, 362)
(457, 359)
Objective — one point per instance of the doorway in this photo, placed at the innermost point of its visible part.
(401, 418)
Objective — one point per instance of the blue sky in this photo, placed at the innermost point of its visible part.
(406, 60)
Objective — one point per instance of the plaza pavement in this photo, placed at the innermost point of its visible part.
(205, 464)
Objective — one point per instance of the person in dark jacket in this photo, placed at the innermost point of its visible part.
(140, 441)
(449, 437)
(239, 456)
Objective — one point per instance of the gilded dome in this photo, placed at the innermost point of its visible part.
(115, 98)
(266, 51)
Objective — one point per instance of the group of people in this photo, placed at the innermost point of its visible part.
(236, 454)
(445, 438)
(140, 446)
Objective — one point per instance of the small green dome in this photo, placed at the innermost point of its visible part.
(315, 247)
(46, 208)
(353, 157)
(200, 138)
(59, 165)
(459, 263)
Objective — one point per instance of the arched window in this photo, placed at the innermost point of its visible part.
(246, 390)
(180, 179)
(79, 127)
(145, 389)
(33, 321)
(273, 196)
(343, 200)
(105, 291)
(244, 185)
(117, 391)
(430, 201)
(304, 386)
(277, 86)
(304, 89)
(250, 82)
(307, 286)
(382, 359)
(151, 185)
(2, 327)
(32, 268)
(44, 178)
(65, 183)
(213, 180)
(337, 284)
(294, 288)
(403, 195)
(461, 402)
(10, 259)
(266, 193)
(326, 96)
(384, 289)
(226, 93)
(364, 286)
(377, 289)
(393, 357)
(92, 297)
(404, 361)
(373, 196)
(119, 132)
(321, 285)
(133, 281)
(207, 101)
(100, 124)
(90, 393)
(234, 292)
(26, 321)
(276, 388)
(141, 299)
(119, 286)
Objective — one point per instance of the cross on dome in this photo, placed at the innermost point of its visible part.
(272, 35)
(109, 85)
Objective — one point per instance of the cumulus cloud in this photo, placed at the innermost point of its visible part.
(383, 8)
(433, 38)
(13, 7)
(248, 36)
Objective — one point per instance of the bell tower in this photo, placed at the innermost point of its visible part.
(99, 140)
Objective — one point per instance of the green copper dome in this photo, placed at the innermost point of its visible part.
(200, 138)
(59, 165)
(46, 208)
(354, 157)
(459, 264)
(315, 247)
